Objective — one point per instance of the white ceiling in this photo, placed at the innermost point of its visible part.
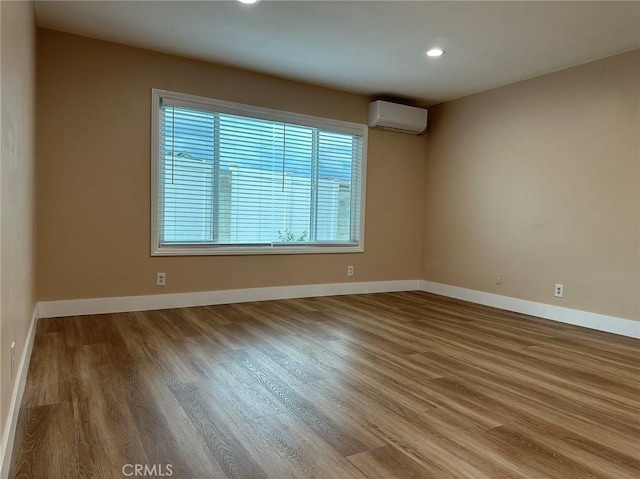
(375, 48)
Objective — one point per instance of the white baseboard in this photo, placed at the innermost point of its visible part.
(9, 433)
(601, 322)
(76, 307)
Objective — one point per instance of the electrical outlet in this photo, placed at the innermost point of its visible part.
(161, 279)
(349, 270)
(13, 360)
(498, 278)
(559, 290)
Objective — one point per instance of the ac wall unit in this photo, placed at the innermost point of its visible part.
(397, 117)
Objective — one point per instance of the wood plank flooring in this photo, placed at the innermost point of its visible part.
(398, 385)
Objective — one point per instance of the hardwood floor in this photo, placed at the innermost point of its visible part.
(398, 385)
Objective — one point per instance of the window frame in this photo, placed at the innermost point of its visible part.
(222, 106)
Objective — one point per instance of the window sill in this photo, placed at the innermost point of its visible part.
(253, 250)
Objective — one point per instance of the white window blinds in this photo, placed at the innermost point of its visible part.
(249, 179)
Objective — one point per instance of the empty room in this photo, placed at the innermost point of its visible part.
(319, 239)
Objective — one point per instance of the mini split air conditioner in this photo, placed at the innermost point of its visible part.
(397, 117)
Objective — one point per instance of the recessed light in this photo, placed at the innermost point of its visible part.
(248, 2)
(435, 52)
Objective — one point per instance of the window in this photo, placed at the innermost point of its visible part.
(236, 179)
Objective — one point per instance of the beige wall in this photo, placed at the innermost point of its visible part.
(17, 159)
(94, 169)
(539, 180)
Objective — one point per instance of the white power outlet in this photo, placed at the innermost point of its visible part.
(161, 279)
(498, 278)
(349, 270)
(13, 360)
(559, 290)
